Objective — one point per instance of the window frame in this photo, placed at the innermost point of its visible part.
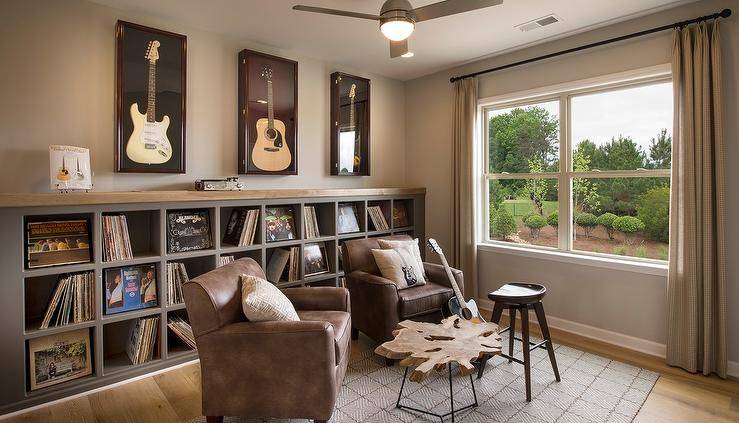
(563, 93)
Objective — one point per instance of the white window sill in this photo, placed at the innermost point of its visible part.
(636, 266)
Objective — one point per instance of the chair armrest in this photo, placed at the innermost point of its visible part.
(436, 273)
(246, 360)
(368, 278)
(375, 304)
(319, 298)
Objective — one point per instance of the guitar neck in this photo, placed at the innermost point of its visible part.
(351, 114)
(452, 280)
(151, 93)
(270, 106)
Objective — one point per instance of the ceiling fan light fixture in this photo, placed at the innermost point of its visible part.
(397, 29)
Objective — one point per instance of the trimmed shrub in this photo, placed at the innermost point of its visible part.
(535, 222)
(653, 208)
(553, 221)
(502, 223)
(628, 225)
(620, 250)
(587, 221)
(606, 221)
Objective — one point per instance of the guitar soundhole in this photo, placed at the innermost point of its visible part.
(271, 134)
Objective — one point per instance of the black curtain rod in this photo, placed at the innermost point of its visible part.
(723, 14)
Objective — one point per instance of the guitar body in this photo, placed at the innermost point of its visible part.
(455, 307)
(148, 143)
(270, 152)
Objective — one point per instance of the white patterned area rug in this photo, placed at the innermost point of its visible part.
(593, 389)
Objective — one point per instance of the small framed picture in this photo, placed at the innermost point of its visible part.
(279, 223)
(59, 358)
(150, 99)
(69, 168)
(130, 288)
(347, 219)
(315, 260)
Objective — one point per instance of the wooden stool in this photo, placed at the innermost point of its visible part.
(520, 297)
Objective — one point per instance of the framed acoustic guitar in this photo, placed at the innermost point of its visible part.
(150, 99)
(268, 99)
(350, 129)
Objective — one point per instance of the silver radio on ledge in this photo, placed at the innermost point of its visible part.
(226, 184)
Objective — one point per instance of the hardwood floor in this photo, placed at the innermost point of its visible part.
(174, 396)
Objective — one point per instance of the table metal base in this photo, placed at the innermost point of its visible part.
(451, 398)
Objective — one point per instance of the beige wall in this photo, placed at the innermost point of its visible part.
(57, 84)
(619, 301)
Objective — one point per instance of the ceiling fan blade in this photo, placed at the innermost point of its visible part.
(336, 12)
(451, 7)
(398, 48)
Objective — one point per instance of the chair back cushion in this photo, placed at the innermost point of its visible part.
(264, 302)
(399, 266)
(357, 253)
(213, 299)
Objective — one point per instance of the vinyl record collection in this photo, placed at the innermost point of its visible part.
(311, 222)
(142, 340)
(242, 227)
(116, 242)
(183, 330)
(224, 260)
(284, 265)
(378, 218)
(73, 301)
(176, 276)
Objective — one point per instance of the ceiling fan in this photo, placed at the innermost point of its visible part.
(398, 18)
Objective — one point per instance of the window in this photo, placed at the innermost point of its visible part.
(583, 170)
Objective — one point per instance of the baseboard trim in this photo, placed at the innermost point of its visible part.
(94, 390)
(627, 341)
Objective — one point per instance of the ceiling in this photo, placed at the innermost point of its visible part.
(358, 44)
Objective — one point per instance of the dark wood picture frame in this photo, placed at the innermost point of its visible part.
(257, 71)
(133, 43)
(344, 110)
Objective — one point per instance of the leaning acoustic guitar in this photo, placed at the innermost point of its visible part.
(466, 310)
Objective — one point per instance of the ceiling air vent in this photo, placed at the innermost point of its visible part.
(538, 23)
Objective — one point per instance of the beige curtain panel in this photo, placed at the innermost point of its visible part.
(697, 271)
(463, 212)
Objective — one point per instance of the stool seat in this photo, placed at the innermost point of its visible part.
(519, 293)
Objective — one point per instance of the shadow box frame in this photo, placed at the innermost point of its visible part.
(335, 124)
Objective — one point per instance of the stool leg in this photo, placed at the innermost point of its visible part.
(539, 308)
(497, 312)
(526, 351)
(512, 331)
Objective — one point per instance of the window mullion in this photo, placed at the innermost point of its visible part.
(564, 187)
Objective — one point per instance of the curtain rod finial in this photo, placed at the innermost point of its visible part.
(725, 13)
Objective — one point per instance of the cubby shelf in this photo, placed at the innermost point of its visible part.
(21, 304)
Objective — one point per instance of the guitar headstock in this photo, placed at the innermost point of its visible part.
(434, 246)
(152, 51)
(353, 91)
(267, 72)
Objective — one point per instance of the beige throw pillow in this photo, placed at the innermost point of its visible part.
(398, 267)
(412, 245)
(263, 302)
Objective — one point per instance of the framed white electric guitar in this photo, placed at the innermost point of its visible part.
(148, 143)
(150, 100)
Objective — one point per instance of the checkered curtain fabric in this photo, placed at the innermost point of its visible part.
(697, 276)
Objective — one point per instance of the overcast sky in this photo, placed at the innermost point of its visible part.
(639, 113)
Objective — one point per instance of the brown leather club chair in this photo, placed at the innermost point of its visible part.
(267, 369)
(377, 304)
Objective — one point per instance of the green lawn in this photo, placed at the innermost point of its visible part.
(520, 208)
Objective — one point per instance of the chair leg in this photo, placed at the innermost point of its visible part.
(539, 308)
(512, 331)
(214, 419)
(526, 351)
(389, 362)
(355, 334)
(320, 421)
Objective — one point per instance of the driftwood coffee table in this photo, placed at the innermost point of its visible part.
(431, 346)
